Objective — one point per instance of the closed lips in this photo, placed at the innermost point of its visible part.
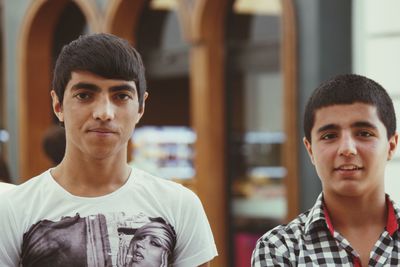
(102, 130)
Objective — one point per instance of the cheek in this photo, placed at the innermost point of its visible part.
(323, 159)
(156, 253)
(376, 153)
(74, 115)
(320, 155)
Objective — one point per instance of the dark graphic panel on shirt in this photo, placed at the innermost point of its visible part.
(99, 240)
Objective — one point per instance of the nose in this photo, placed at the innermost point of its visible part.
(103, 110)
(347, 146)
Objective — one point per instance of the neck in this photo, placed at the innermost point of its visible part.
(84, 176)
(348, 212)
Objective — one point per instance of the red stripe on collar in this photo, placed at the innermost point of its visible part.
(328, 220)
(356, 262)
(391, 225)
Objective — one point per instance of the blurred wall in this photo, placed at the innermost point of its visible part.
(324, 40)
(13, 12)
(376, 54)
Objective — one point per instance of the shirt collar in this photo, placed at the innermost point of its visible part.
(316, 215)
(319, 214)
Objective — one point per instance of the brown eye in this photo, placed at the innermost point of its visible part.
(82, 96)
(328, 136)
(365, 134)
(123, 97)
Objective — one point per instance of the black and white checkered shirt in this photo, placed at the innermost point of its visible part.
(310, 240)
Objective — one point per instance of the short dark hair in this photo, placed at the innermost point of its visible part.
(349, 89)
(103, 54)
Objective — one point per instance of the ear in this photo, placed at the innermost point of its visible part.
(57, 106)
(141, 108)
(307, 144)
(393, 141)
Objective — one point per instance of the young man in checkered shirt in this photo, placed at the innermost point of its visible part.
(350, 134)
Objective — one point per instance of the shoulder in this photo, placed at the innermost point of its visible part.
(286, 234)
(18, 194)
(279, 246)
(171, 196)
(157, 184)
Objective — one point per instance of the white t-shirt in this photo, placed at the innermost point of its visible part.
(148, 220)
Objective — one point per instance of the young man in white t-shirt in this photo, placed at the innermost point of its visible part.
(87, 210)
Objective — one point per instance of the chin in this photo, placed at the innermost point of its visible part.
(101, 154)
(351, 191)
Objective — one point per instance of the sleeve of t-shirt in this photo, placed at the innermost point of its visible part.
(195, 242)
(9, 237)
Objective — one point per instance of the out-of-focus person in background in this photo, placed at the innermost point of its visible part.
(54, 143)
(4, 172)
(5, 178)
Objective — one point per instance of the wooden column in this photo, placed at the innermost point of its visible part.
(289, 70)
(206, 33)
(208, 116)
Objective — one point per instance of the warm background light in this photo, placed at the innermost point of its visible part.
(164, 4)
(266, 7)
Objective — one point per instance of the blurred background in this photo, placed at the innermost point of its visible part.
(228, 81)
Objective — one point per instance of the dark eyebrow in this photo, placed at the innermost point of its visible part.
(87, 86)
(123, 87)
(328, 127)
(93, 87)
(363, 124)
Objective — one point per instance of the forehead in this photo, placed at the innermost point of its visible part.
(346, 115)
(86, 77)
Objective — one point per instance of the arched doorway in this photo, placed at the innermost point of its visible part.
(47, 26)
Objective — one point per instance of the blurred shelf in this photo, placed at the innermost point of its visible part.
(265, 208)
(258, 137)
(267, 172)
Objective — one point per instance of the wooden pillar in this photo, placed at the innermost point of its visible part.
(208, 114)
(289, 70)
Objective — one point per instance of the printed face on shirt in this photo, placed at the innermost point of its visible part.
(99, 114)
(148, 248)
(350, 149)
(147, 251)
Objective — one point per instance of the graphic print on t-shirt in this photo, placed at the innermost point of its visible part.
(99, 240)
